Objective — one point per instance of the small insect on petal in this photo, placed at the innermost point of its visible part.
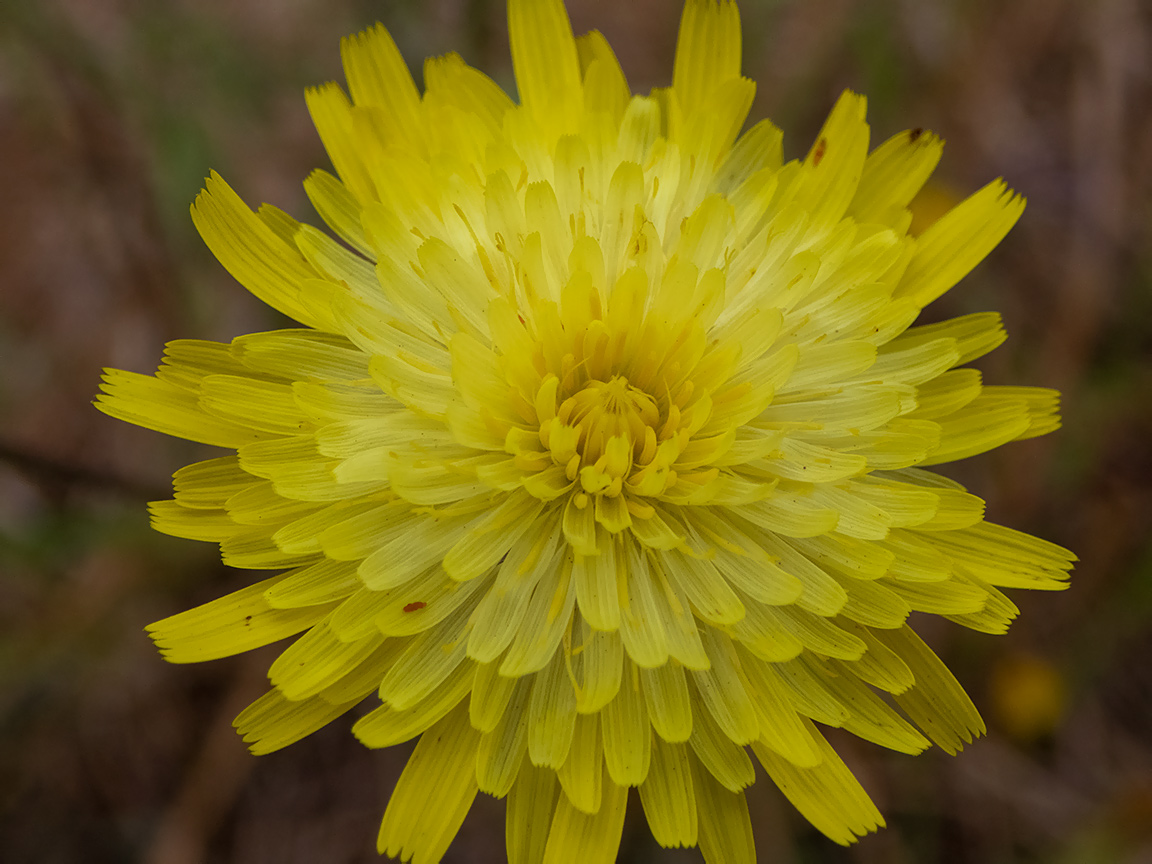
(819, 151)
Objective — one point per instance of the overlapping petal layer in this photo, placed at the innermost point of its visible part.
(601, 455)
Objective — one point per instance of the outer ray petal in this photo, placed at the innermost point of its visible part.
(545, 61)
(579, 836)
(433, 794)
(707, 51)
(827, 794)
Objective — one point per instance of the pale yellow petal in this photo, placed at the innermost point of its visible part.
(827, 794)
(234, 623)
(434, 792)
(545, 60)
(627, 733)
(668, 795)
(259, 260)
(707, 51)
(531, 805)
(725, 828)
(592, 837)
(947, 251)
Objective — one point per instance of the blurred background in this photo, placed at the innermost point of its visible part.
(112, 112)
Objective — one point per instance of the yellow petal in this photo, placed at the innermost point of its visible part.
(725, 829)
(707, 51)
(579, 836)
(722, 690)
(827, 794)
(379, 77)
(252, 252)
(502, 750)
(582, 775)
(339, 208)
(724, 760)
(387, 726)
(167, 408)
(531, 805)
(627, 733)
(545, 61)
(316, 660)
(936, 702)
(669, 797)
(551, 714)
(273, 721)
(894, 172)
(947, 251)
(434, 792)
(234, 623)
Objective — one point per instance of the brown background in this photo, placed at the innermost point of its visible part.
(112, 111)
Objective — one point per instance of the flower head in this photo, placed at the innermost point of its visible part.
(601, 453)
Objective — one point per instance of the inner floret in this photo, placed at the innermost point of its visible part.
(602, 409)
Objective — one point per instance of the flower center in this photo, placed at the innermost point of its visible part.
(604, 410)
(611, 440)
(613, 404)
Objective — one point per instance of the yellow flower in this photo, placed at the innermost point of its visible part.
(600, 455)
